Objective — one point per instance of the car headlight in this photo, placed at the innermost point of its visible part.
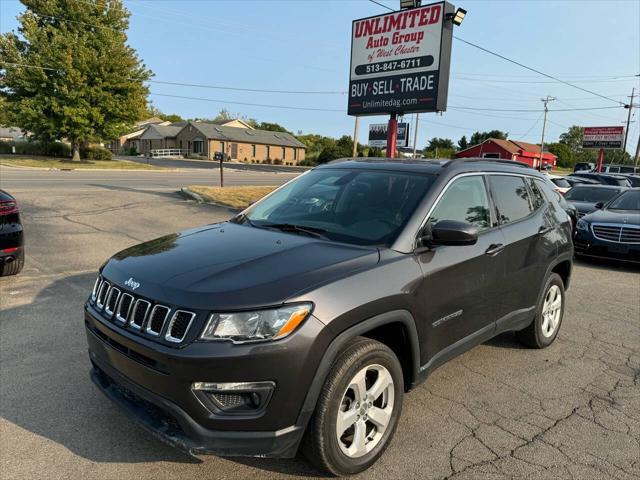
(258, 325)
(582, 225)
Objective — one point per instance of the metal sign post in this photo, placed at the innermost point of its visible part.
(392, 136)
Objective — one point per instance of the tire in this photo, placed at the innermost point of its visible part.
(544, 328)
(14, 267)
(367, 363)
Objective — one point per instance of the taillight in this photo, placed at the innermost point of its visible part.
(8, 206)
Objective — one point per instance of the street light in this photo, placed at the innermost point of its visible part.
(409, 4)
(458, 17)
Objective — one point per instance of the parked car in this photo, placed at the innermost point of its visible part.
(561, 184)
(605, 179)
(620, 169)
(634, 180)
(584, 167)
(11, 236)
(573, 181)
(585, 197)
(613, 230)
(304, 319)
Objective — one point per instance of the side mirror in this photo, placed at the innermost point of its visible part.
(449, 232)
(599, 205)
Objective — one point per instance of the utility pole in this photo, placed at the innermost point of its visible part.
(544, 125)
(355, 137)
(626, 132)
(637, 155)
(415, 136)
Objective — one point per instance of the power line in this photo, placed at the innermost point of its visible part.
(531, 110)
(261, 90)
(486, 50)
(285, 107)
(29, 66)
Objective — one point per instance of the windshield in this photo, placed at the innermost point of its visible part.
(362, 207)
(591, 194)
(626, 201)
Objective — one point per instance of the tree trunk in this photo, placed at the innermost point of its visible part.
(75, 146)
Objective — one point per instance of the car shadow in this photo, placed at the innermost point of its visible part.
(45, 380)
(606, 263)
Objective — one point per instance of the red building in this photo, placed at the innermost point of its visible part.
(509, 150)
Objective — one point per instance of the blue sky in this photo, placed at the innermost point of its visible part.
(304, 45)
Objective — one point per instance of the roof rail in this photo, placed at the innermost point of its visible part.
(487, 160)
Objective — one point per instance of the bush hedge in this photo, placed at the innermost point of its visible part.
(95, 153)
(54, 149)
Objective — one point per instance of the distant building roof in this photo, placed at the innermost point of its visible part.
(234, 134)
(158, 132)
(12, 132)
(148, 121)
(515, 147)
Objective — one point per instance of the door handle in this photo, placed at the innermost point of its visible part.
(494, 249)
(544, 230)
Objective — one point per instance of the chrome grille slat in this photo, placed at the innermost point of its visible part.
(139, 314)
(96, 288)
(179, 326)
(111, 304)
(124, 306)
(102, 294)
(157, 319)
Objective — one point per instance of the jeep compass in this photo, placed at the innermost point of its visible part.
(300, 323)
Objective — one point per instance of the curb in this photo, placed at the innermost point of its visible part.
(191, 195)
(71, 169)
(188, 194)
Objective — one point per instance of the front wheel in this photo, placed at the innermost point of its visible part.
(544, 328)
(358, 409)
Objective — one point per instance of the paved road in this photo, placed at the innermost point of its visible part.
(498, 411)
(187, 163)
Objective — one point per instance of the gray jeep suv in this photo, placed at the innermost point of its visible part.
(302, 321)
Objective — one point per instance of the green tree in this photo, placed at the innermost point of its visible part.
(462, 143)
(564, 154)
(84, 82)
(272, 127)
(479, 137)
(440, 144)
(331, 152)
(374, 152)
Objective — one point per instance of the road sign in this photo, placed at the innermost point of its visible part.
(400, 61)
(603, 137)
(378, 135)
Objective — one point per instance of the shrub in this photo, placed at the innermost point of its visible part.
(246, 159)
(133, 152)
(49, 149)
(5, 147)
(277, 161)
(95, 153)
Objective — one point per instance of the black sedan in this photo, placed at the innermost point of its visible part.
(585, 197)
(604, 178)
(11, 236)
(612, 231)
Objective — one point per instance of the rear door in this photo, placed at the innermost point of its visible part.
(529, 246)
(460, 284)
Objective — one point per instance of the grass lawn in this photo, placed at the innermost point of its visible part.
(51, 162)
(235, 197)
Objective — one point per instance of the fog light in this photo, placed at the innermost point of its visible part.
(237, 398)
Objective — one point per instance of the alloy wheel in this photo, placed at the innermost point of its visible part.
(365, 411)
(551, 311)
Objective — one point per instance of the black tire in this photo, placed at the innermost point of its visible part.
(320, 444)
(14, 267)
(533, 336)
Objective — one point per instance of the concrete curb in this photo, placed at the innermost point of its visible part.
(72, 169)
(191, 195)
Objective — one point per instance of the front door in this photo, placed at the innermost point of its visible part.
(458, 294)
(234, 150)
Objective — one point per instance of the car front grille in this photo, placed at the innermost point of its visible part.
(143, 316)
(619, 233)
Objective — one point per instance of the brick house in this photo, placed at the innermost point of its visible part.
(516, 150)
(131, 140)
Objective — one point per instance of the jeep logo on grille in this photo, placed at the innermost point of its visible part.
(132, 283)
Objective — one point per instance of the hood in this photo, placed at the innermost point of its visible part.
(583, 207)
(629, 217)
(230, 266)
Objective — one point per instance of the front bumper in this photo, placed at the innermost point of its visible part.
(153, 383)
(587, 244)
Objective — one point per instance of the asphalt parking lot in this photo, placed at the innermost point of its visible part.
(499, 411)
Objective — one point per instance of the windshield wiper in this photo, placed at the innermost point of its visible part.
(242, 218)
(290, 227)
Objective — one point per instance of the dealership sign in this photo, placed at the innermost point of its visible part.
(400, 61)
(603, 137)
(378, 135)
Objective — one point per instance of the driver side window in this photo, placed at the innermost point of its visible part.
(465, 200)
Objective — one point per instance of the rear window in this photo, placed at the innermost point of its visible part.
(591, 194)
(511, 197)
(561, 182)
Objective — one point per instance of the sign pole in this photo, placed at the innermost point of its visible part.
(392, 134)
(415, 136)
(600, 159)
(355, 137)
